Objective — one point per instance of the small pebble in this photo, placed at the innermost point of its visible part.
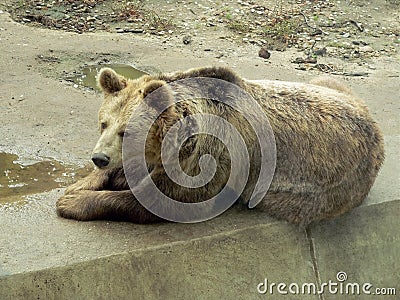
(187, 39)
(264, 53)
(366, 49)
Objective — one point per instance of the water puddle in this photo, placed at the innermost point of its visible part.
(86, 77)
(18, 179)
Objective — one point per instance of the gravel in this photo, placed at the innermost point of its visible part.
(346, 30)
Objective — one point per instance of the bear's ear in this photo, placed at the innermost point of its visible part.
(160, 100)
(110, 82)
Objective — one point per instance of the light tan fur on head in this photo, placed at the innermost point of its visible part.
(113, 115)
(121, 97)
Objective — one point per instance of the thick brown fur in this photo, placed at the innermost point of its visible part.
(329, 149)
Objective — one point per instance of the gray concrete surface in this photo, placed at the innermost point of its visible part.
(364, 244)
(45, 257)
(224, 258)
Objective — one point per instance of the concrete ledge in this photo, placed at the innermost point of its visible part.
(227, 260)
(221, 259)
(364, 244)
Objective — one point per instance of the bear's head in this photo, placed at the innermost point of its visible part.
(121, 97)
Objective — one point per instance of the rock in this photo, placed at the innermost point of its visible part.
(316, 32)
(366, 49)
(187, 39)
(307, 60)
(360, 43)
(133, 30)
(136, 30)
(320, 52)
(346, 44)
(264, 53)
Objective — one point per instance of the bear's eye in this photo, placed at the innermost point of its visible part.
(103, 126)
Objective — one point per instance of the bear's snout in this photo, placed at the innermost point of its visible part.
(100, 160)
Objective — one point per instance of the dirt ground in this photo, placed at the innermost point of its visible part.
(321, 32)
(46, 117)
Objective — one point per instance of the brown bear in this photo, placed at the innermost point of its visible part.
(328, 148)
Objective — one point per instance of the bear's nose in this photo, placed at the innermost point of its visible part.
(100, 160)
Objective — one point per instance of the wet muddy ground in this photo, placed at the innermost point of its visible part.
(21, 178)
(86, 77)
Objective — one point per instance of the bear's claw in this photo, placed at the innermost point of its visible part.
(73, 206)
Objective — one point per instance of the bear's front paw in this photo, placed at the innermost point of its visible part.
(75, 206)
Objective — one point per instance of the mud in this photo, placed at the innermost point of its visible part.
(87, 76)
(19, 179)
